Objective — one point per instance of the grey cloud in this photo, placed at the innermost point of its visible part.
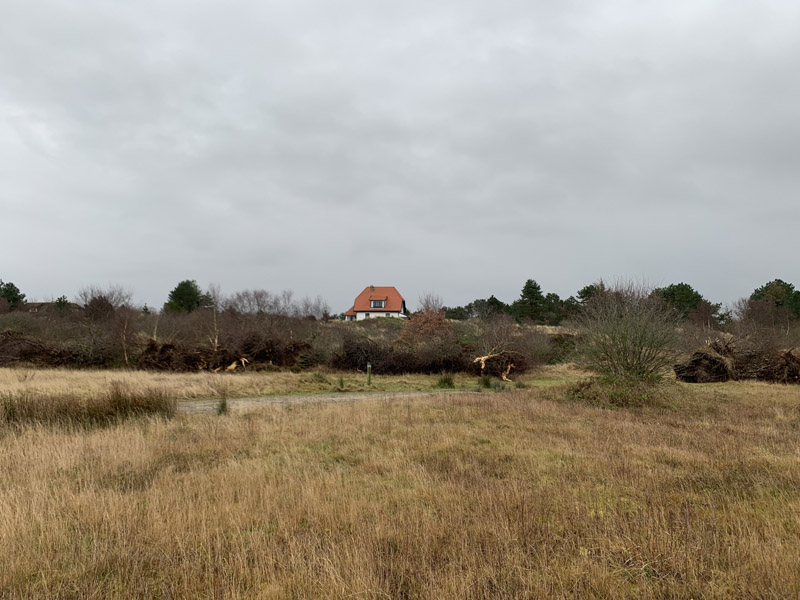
(460, 147)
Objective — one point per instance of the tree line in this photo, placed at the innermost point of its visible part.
(200, 329)
(776, 301)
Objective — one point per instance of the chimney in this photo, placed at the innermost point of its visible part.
(372, 288)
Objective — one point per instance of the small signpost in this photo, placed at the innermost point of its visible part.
(369, 373)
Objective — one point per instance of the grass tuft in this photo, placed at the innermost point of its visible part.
(118, 403)
(446, 381)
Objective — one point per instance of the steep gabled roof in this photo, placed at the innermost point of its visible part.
(394, 301)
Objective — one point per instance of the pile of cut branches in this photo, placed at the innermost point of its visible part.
(18, 347)
(722, 360)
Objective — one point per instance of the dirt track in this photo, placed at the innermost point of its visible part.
(241, 404)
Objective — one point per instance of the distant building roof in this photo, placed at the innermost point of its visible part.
(393, 301)
(39, 307)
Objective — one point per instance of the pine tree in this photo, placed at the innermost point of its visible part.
(11, 294)
(185, 298)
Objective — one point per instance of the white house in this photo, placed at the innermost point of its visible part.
(383, 301)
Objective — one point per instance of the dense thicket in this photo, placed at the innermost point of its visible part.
(100, 335)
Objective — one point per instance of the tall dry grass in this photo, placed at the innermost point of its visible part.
(118, 402)
(503, 495)
(92, 383)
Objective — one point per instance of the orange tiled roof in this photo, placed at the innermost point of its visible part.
(394, 301)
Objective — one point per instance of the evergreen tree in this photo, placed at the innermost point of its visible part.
(587, 292)
(571, 306)
(553, 309)
(780, 294)
(99, 309)
(531, 303)
(62, 304)
(11, 294)
(457, 313)
(496, 306)
(480, 309)
(689, 303)
(185, 298)
(680, 296)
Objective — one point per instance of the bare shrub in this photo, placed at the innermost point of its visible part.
(497, 334)
(501, 349)
(539, 347)
(626, 331)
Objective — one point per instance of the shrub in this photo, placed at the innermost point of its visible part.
(628, 333)
(562, 347)
(503, 348)
(427, 326)
(388, 358)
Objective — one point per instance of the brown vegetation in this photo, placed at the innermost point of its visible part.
(724, 360)
(117, 403)
(207, 339)
(505, 495)
(93, 384)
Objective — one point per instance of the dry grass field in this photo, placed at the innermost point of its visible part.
(182, 386)
(517, 494)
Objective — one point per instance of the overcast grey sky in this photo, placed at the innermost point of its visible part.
(458, 146)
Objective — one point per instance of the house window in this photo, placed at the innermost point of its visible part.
(366, 315)
(377, 303)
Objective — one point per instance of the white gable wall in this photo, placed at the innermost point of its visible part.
(360, 316)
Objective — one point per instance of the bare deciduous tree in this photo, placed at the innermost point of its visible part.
(255, 302)
(430, 302)
(314, 307)
(250, 302)
(116, 295)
